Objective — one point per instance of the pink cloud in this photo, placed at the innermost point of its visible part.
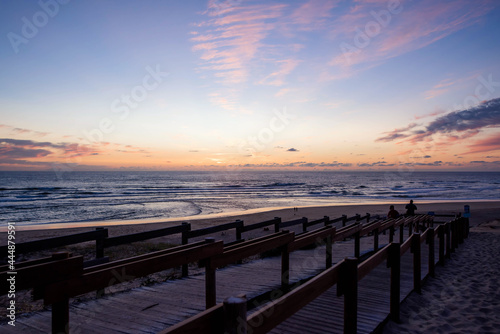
(435, 113)
(485, 145)
(417, 25)
(313, 14)
(277, 78)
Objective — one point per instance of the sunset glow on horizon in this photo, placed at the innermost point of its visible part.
(236, 84)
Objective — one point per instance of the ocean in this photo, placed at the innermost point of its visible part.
(31, 198)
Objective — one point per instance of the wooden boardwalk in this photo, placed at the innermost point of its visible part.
(325, 313)
(154, 308)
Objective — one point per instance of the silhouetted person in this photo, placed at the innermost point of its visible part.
(410, 208)
(392, 213)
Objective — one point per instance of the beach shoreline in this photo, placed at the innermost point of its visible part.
(481, 211)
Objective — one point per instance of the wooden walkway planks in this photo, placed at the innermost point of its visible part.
(325, 314)
(153, 308)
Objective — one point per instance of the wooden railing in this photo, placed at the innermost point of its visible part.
(102, 241)
(230, 316)
(60, 277)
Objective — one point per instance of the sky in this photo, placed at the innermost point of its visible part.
(241, 84)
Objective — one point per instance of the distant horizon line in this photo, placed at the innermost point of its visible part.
(231, 170)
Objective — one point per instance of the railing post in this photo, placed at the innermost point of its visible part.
(410, 227)
(235, 315)
(327, 220)
(417, 267)
(448, 239)
(344, 220)
(441, 244)
(454, 236)
(357, 246)
(367, 218)
(462, 230)
(239, 230)
(394, 262)
(60, 309)
(210, 283)
(467, 227)
(99, 245)
(432, 261)
(401, 233)
(391, 233)
(277, 224)
(285, 268)
(99, 254)
(375, 239)
(185, 240)
(329, 257)
(348, 286)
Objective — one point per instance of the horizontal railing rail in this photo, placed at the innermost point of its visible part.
(50, 243)
(141, 236)
(346, 274)
(61, 277)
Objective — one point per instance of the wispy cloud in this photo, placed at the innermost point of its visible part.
(445, 85)
(313, 14)
(277, 78)
(432, 114)
(397, 133)
(229, 43)
(35, 153)
(489, 144)
(22, 131)
(456, 126)
(414, 26)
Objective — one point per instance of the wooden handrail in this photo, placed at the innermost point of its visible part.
(268, 317)
(324, 220)
(142, 257)
(347, 231)
(208, 321)
(266, 223)
(245, 243)
(129, 238)
(311, 237)
(28, 263)
(43, 244)
(276, 311)
(293, 222)
(372, 262)
(242, 251)
(367, 228)
(213, 229)
(43, 273)
(102, 278)
(405, 246)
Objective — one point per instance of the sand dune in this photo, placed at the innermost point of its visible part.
(465, 295)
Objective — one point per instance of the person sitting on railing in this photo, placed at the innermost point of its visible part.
(392, 213)
(410, 208)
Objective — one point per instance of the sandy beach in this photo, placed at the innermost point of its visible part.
(464, 297)
(481, 212)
